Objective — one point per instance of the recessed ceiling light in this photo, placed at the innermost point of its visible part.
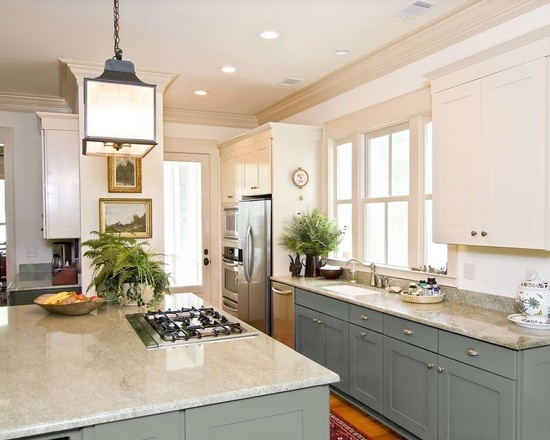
(341, 52)
(201, 92)
(269, 35)
(228, 69)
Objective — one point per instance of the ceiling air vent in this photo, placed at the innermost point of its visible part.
(289, 82)
(415, 9)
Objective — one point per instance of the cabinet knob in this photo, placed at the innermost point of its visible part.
(363, 334)
(364, 317)
(440, 369)
(317, 321)
(483, 233)
(472, 352)
(473, 233)
(429, 365)
(407, 331)
(229, 197)
(253, 187)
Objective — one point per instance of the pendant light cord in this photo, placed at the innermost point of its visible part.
(118, 50)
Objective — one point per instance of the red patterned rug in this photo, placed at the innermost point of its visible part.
(342, 430)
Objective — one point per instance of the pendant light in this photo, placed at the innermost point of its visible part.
(119, 109)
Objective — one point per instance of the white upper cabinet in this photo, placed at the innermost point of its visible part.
(491, 156)
(231, 176)
(60, 175)
(257, 168)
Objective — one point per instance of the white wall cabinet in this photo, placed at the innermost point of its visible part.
(491, 158)
(257, 168)
(269, 155)
(231, 176)
(60, 175)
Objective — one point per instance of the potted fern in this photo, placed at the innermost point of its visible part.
(312, 234)
(125, 268)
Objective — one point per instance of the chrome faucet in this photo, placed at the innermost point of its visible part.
(375, 279)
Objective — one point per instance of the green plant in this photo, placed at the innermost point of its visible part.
(121, 260)
(312, 233)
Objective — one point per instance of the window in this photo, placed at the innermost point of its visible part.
(383, 198)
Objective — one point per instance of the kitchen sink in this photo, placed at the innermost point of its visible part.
(350, 290)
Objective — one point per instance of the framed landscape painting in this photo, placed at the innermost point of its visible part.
(124, 174)
(129, 217)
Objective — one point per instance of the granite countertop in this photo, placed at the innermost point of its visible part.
(61, 372)
(454, 315)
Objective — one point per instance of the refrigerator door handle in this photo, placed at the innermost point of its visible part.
(247, 253)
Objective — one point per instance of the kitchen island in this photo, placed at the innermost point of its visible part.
(78, 374)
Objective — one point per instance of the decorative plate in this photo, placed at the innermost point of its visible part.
(533, 322)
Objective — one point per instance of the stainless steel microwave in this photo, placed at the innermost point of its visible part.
(230, 222)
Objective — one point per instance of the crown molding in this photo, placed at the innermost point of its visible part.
(472, 18)
(21, 102)
(200, 117)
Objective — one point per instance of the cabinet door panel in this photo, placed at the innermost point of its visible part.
(457, 163)
(336, 334)
(366, 367)
(474, 403)
(410, 388)
(158, 427)
(309, 340)
(514, 155)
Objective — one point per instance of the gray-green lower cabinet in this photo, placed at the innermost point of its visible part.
(410, 387)
(167, 426)
(65, 435)
(324, 339)
(366, 366)
(474, 403)
(295, 415)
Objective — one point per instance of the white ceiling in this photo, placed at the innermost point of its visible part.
(194, 38)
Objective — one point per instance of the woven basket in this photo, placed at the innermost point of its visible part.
(422, 299)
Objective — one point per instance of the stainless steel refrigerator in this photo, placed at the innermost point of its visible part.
(253, 277)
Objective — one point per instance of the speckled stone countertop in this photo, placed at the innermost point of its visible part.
(62, 372)
(35, 280)
(455, 315)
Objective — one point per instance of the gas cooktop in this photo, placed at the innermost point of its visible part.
(188, 325)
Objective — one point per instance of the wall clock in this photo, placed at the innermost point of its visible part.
(300, 178)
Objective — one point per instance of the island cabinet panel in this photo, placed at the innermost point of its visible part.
(410, 387)
(167, 426)
(473, 403)
(298, 415)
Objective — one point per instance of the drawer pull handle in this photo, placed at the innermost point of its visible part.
(317, 321)
(440, 369)
(407, 331)
(364, 317)
(363, 334)
(472, 352)
(429, 365)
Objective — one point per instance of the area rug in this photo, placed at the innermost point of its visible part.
(342, 430)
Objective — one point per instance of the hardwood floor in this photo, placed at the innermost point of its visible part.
(363, 422)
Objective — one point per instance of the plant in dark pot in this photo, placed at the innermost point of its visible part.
(126, 268)
(311, 234)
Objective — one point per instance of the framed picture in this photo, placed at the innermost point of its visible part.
(130, 217)
(124, 174)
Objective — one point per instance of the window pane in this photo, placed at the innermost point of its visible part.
(343, 216)
(428, 158)
(375, 236)
(378, 159)
(182, 222)
(400, 163)
(436, 253)
(343, 171)
(398, 237)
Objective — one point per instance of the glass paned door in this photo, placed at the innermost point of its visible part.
(187, 222)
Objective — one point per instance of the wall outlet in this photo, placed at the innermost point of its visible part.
(32, 252)
(469, 271)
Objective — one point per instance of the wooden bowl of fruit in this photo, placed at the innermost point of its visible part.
(68, 303)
